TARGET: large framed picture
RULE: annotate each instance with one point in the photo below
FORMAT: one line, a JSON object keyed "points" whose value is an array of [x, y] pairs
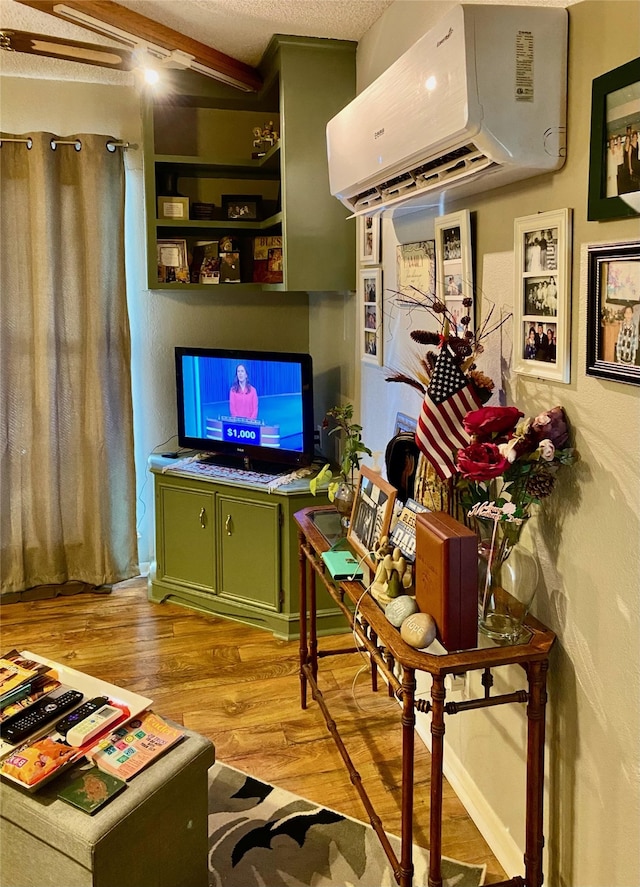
{"points": [[369, 240], [614, 167], [542, 315], [613, 311], [416, 271], [454, 271], [370, 319], [371, 514]]}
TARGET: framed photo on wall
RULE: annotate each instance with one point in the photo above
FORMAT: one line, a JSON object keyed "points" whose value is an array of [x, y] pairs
{"points": [[614, 167], [416, 270], [370, 315], [454, 270], [371, 514], [369, 240], [613, 312], [542, 315]]}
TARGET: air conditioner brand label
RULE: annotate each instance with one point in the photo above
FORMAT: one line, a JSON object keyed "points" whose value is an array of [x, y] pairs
{"points": [[524, 67], [446, 37], [378, 133]]}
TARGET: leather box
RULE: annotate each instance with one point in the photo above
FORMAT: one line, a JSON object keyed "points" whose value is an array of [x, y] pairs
{"points": [[446, 578]]}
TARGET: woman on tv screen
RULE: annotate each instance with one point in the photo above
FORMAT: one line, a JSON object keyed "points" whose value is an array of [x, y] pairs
{"points": [[243, 397]]}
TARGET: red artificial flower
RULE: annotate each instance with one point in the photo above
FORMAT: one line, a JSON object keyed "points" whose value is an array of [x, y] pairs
{"points": [[487, 421], [481, 461]]}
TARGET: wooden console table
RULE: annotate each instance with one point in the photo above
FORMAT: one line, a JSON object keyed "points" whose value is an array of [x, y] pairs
{"points": [[386, 650]]}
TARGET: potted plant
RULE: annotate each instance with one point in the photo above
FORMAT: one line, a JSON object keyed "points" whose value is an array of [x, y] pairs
{"points": [[341, 489]]}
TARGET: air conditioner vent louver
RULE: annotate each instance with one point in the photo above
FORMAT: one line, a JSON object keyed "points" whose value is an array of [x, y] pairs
{"points": [[445, 122], [460, 163], [444, 160], [398, 183]]}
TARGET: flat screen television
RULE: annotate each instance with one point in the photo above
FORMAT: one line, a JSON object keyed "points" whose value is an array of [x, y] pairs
{"points": [[247, 409]]}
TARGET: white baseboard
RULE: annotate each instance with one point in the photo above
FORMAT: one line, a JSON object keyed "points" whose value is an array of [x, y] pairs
{"points": [[492, 829]]}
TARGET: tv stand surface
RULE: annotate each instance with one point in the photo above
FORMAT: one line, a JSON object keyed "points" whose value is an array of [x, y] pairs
{"points": [[275, 469]]}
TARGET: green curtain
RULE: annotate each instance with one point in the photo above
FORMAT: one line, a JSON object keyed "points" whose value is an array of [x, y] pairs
{"points": [[67, 478]]}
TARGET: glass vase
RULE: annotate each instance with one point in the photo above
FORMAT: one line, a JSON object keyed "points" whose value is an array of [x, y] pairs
{"points": [[507, 579], [343, 501]]}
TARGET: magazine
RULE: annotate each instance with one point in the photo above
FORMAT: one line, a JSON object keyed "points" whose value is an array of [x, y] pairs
{"points": [[129, 749], [16, 673]]}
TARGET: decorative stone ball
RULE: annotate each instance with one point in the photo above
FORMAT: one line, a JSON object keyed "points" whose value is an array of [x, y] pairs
{"points": [[418, 630], [398, 610]]}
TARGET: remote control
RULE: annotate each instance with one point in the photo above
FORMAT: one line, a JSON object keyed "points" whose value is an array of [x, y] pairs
{"points": [[40, 713], [87, 708], [92, 725]]}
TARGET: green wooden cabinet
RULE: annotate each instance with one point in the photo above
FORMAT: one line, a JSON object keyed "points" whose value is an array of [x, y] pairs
{"points": [[232, 551], [199, 144]]}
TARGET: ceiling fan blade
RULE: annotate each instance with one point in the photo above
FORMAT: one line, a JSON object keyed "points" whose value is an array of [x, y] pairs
{"points": [[108, 18], [67, 50]]}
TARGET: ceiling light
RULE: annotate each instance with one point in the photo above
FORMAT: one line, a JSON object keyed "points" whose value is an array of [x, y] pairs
{"points": [[151, 76]]}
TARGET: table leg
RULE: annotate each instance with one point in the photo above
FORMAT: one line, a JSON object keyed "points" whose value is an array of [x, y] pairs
{"points": [[408, 743], [313, 626], [437, 757], [537, 674], [374, 667], [302, 574]]}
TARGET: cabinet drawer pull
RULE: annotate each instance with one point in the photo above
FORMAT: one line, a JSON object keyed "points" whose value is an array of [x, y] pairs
{"points": [[203, 515], [228, 525]]}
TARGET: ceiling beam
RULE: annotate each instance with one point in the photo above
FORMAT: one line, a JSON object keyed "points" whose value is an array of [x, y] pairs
{"points": [[208, 60]]}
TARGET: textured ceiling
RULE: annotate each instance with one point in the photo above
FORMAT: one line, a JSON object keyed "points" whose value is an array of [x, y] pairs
{"points": [[239, 28], [243, 28]]}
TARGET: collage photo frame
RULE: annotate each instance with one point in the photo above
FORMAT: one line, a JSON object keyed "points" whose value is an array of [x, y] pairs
{"points": [[370, 315], [369, 240], [541, 316], [454, 278]]}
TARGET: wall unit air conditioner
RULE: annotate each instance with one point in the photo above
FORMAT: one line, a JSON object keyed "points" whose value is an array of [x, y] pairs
{"points": [[478, 102]]}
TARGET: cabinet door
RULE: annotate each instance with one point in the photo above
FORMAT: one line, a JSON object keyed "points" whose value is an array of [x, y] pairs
{"points": [[185, 531], [249, 551]]}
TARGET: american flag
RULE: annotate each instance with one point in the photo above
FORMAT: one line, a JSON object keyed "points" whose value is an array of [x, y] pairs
{"points": [[449, 398]]}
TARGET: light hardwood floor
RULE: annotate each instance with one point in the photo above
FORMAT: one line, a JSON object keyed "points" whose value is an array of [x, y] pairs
{"points": [[239, 686]]}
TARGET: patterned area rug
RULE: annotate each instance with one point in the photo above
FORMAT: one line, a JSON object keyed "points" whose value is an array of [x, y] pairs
{"points": [[263, 836]]}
